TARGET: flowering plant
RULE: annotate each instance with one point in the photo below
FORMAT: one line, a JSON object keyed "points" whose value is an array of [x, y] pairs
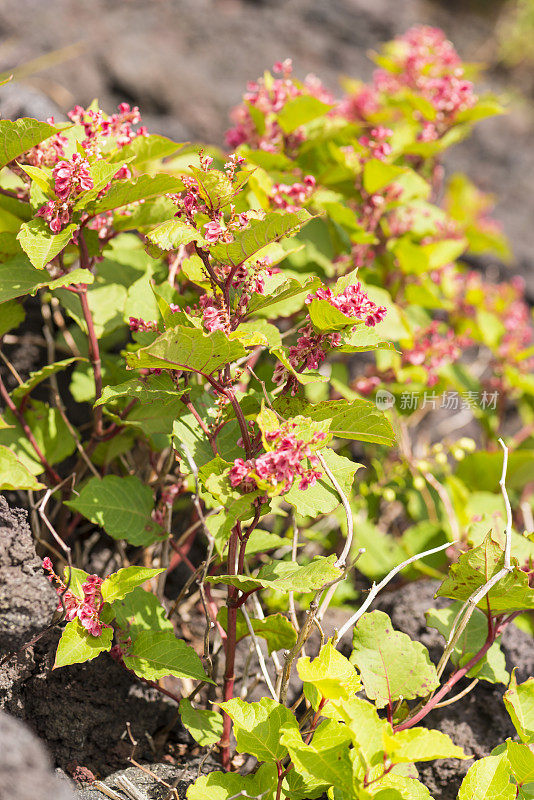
{"points": [[227, 318]]}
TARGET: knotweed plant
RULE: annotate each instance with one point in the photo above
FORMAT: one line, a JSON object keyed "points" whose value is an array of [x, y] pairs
{"points": [[244, 331]]}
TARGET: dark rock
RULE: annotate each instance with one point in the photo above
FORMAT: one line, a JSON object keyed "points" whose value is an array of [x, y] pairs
{"points": [[25, 769]]}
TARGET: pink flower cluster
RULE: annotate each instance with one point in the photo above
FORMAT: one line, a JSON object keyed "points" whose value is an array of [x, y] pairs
{"points": [[47, 153], [269, 99], [291, 198], [434, 349], [86, 610], [97, 125], [427, 63], [138, 324], [353, 302], [377, 142], [70, 179], [279, 467]]}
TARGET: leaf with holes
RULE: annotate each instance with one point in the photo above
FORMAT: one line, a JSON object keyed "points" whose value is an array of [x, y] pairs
{"points": [[257, 235], [188, 349], [121, 506], [391, 664]]}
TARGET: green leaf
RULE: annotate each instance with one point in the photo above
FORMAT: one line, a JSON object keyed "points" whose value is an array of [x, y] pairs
{"points": [[257, 727], [488, 777], [474, 568], [140, 611], [14, 475], [398, 787], [328, 763], [519, 702], [284, 290], [216, 189], [21, 135], [300, 110], [355, 419], [326, 317], [492, 667], [173, 233], [285, 576], [18, 277], [377, 175], [304, 378], [50, 431], [40, 177], [366, 730], [390, 663], [331, 673], [11, 316], [205, 727], [257, 235], [155, 387], [224, 785], [40, 244], [121, 583], [75, 578], [77, 645], [521, 760], [420, 744], [142, 188], [146, 148], [188, 349], [235, 509], [322, 498], [35, 378], [276, 629], [155, 654], [121, 506]]}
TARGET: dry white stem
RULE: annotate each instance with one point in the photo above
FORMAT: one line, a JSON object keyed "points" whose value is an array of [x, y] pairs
{"points": [[291, 596], [502, 484], [342, 560], [261, 659], [260, 615], [377, 588], [458, 696], [131, 791]]}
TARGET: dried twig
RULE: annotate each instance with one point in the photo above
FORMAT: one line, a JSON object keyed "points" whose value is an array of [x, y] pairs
{"points": [[261, 659]]}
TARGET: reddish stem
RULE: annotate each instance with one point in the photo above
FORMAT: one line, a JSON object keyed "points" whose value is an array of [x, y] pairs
{"points": [[50, 471], [188, 404], [94, 355], [231, 636]]}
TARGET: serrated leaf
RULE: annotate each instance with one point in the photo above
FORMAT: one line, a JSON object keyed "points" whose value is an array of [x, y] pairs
{"points": [[276, 629], [35, 378], [205, 727], [331, 673], [327, 318], [21, 135], [78, 645], [155, 654], [488, 777], [40, 244], [121, 583], [519, 702], [354, 419], [14, 475], [285, 576], [420, 744], [300, 110], [282, 290], [224, 785], [257, 235], [492, 667], [322, 497], [474, 568], [142, 188], [391, 664], [188, 349], [121, 506], [521, 760], [140, 611], [157, 387], [18, 277], [257, 727], [172, 233]]}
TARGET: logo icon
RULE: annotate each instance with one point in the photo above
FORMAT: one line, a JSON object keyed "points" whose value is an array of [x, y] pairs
{"points": [[384, 400]]}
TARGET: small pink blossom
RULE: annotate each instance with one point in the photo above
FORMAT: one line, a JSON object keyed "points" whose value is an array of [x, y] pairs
{"points": [[213, 232], [72, 177]]}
